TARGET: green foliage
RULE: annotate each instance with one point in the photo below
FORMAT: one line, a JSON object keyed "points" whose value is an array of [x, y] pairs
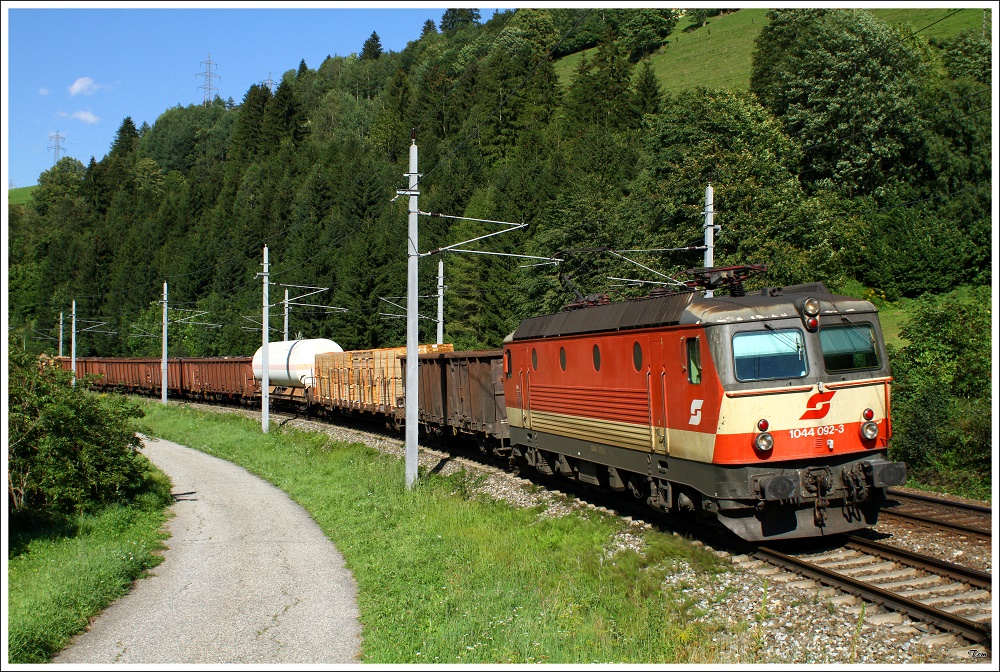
{"points": [[372, 48], [845, 87], [455, 19], [68, 451], [968, 54], [60, 189], [647, 97], [942, 420]]}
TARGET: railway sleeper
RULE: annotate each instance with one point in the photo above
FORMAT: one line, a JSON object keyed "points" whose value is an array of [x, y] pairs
{"points": [[857, 571], [975, 595], [932, 590]]}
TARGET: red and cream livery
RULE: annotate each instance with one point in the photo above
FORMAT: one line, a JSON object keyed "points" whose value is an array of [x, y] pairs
{"points": [[768, 412]]}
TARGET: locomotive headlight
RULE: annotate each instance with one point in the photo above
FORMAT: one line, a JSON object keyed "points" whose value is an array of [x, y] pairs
{"points": [[869, 430], [812, 323], [868, 414], [764, 442], [762, 425], [811, 307]]}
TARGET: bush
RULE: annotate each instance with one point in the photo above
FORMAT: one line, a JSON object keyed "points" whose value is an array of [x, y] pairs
{"points": [[942, 422], [68, 451]]}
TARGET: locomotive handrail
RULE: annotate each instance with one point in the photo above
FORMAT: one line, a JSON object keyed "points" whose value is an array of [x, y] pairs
{"points": [[858, 383], [769, 390]]}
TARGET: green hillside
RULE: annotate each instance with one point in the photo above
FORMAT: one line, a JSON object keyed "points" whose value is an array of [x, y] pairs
{"points": [[718, 54], [20, 196]]}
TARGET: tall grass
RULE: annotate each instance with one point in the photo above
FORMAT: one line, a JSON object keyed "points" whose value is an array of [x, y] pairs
{"points": [[446, 575], [63, 572]]}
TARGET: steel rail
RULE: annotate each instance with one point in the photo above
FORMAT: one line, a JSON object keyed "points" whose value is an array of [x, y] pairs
{"points": [[958, 508], [973, 577], [974, 632], [940, 502], [958, 527]]}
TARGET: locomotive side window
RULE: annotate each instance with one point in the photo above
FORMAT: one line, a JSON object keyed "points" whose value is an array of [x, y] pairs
{"points": [[534, 360], [597, 358], [637, 356], [507, 364], [767, 355], [694, 360], [849, 348], [562, 358]]}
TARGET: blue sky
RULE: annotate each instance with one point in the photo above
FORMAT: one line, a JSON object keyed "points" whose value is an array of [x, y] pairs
{"points": [[80, 72]]}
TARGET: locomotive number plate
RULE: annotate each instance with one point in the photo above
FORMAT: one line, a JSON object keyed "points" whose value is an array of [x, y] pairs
{"points": [[826, 430]]}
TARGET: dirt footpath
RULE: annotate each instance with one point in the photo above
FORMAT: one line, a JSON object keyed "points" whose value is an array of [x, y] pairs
{"points": [[248, 577]]}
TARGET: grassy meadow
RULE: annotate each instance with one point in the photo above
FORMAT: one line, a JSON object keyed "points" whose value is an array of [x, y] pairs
{"points": [[61, 573], [449, 576], [718, 54], [19, 196]]}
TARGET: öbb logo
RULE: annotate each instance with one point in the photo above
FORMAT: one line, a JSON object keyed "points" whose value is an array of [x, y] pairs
{"points": [[817, 406]]}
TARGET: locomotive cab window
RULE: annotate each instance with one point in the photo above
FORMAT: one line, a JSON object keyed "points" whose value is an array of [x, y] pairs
{"points": [[769, 355], [597, 358], [534, 359], [694, 360], [849, 348], [562, 358], [507, 365], [637, 356]]}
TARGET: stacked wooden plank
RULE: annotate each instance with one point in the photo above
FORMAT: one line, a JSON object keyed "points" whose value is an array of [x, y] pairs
{"points": [[364, 380]]}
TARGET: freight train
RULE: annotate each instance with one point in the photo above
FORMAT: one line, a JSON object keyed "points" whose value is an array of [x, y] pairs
{"points": [[767, 413]]}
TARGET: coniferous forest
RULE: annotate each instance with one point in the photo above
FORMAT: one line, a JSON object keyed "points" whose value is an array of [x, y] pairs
{"points": [[860, 156]]}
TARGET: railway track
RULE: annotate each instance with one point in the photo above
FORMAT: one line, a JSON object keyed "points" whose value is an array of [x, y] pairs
{"points": [[950, 597], [953, 517]]}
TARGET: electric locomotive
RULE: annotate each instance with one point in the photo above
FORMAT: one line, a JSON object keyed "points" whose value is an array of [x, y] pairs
{"points": [[768, 412]]}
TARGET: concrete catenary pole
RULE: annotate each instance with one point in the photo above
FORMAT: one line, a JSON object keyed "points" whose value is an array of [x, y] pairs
{"points": [[265, 382], [60, 333], [286, 314], [72, 347], [412, 336], [163, 362], [440, 338], [709, 231]]}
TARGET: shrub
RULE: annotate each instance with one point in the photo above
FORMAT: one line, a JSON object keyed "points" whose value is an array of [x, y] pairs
{"points": [[68, 451], [941, 400]]}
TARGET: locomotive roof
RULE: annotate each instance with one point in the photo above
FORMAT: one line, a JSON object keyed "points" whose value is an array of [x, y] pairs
{"points": [[687, 308]]}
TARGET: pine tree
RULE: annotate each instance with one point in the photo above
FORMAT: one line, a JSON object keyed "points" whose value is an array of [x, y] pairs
{"points": [[454, 19], [647, 96], [372, 49], [429, 29], [303, 68], [126, 139], [283, 119]]}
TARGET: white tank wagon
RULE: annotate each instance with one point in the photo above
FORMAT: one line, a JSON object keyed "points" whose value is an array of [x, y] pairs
{"points": [[291, 363]]}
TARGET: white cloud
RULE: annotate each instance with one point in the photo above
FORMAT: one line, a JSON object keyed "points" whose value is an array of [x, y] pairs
{"points": [[86, 86], [86, 117], [43, 92], [82, 115]]}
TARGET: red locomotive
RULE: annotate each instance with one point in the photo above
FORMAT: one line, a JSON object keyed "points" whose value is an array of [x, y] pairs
{"points": [[768, 412]]}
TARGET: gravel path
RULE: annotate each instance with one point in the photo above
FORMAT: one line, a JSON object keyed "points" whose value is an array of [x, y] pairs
{"points": [[248, 577]]}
